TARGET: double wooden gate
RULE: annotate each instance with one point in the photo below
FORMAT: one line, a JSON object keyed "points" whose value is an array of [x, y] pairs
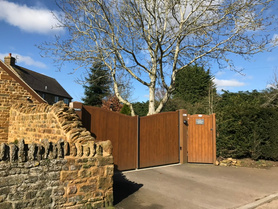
{"points": [[160, 139]]}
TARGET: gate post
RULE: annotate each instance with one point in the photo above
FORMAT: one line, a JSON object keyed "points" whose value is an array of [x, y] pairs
{"points": [[77, 106], [214, 137], [183, 123]]}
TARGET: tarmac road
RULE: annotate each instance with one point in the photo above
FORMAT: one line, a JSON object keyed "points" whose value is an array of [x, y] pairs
{"points": [[195, 186]]}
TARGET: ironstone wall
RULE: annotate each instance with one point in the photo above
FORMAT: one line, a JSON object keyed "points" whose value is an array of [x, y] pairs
{"points": [[56, 175], [11, 92], [53, 122], [47, 158], [52, 161]]}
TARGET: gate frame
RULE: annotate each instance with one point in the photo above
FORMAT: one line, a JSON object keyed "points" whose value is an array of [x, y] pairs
{"points": [[183, 133]]}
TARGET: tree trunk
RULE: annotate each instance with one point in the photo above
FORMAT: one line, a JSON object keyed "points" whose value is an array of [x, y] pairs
{"points": [[151, 99]]}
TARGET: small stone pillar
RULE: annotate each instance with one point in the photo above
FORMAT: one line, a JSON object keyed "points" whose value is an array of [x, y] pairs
{"points": [[77, 106]]}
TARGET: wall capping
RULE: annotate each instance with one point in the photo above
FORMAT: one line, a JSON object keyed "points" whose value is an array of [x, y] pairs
{"points": [[70, 123]]}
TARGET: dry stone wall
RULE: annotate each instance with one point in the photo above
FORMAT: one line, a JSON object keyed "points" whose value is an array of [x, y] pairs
{"points": [[43, 121], [11, 92], [60, 166], [56, 175], [47, 158]]}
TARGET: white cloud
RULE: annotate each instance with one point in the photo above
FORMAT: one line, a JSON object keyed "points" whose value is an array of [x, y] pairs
{"points": [[29, 61], [29, 19], [228, 83], [220, 73], [271, 86], [25, 60]]}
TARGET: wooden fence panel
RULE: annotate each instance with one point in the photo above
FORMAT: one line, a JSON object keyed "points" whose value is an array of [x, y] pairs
{"points": [[120, 129], [159, 139]]}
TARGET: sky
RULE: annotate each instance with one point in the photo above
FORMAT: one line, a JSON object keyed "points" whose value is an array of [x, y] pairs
{"points": [[25, 24]]}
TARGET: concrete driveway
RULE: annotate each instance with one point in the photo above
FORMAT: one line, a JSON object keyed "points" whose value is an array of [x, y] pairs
{"points": [[195, 186]]}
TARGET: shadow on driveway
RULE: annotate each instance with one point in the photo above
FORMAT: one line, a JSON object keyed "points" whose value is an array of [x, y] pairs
{"points": [[123, 187], [191, 186], [125, 194]]}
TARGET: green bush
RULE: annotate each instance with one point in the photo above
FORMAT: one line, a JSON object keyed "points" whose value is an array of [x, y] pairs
{"points": [[245, 128], [269, 147], [125, 110]]}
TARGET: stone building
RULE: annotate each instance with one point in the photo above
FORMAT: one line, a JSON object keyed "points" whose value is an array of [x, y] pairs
{"points": [[48, 88], [19, 85]]}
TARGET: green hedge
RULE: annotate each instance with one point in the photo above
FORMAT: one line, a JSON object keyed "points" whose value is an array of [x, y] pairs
{"points": [[244, 128]]}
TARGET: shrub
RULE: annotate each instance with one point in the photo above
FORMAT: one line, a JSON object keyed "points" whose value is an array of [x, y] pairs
{"points": [[245, 128]]}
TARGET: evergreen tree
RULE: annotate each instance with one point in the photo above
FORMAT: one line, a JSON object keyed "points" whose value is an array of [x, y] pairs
{"points": [[125, 110], [141, 108], [98, 85], [194, 86]]}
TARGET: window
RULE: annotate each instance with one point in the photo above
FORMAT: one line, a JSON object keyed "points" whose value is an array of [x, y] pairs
{"points": [[56, 99], [66, 101]]}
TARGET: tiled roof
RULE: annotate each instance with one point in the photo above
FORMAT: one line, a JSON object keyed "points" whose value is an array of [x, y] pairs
{"points": [[40, 82]]}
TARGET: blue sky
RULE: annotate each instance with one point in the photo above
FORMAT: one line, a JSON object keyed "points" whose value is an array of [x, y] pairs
{"points": [[25, 24]]}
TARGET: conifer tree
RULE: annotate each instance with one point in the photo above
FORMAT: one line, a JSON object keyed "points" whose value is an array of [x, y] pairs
{"points": [[194, 91], [98, 85], [193, 84]]}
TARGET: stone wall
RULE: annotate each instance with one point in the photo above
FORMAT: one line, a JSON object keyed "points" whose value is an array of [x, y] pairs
{"points": [[60, 166], [11, 92], [56, 175], [43, 121]]}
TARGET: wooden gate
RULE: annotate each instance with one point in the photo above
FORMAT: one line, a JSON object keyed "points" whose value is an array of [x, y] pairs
{"points": [[201, 142], [159, 139], [120, 129]]}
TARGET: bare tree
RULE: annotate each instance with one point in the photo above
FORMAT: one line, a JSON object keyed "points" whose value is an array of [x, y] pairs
{"points": [[271, 93], [151, 40]]}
